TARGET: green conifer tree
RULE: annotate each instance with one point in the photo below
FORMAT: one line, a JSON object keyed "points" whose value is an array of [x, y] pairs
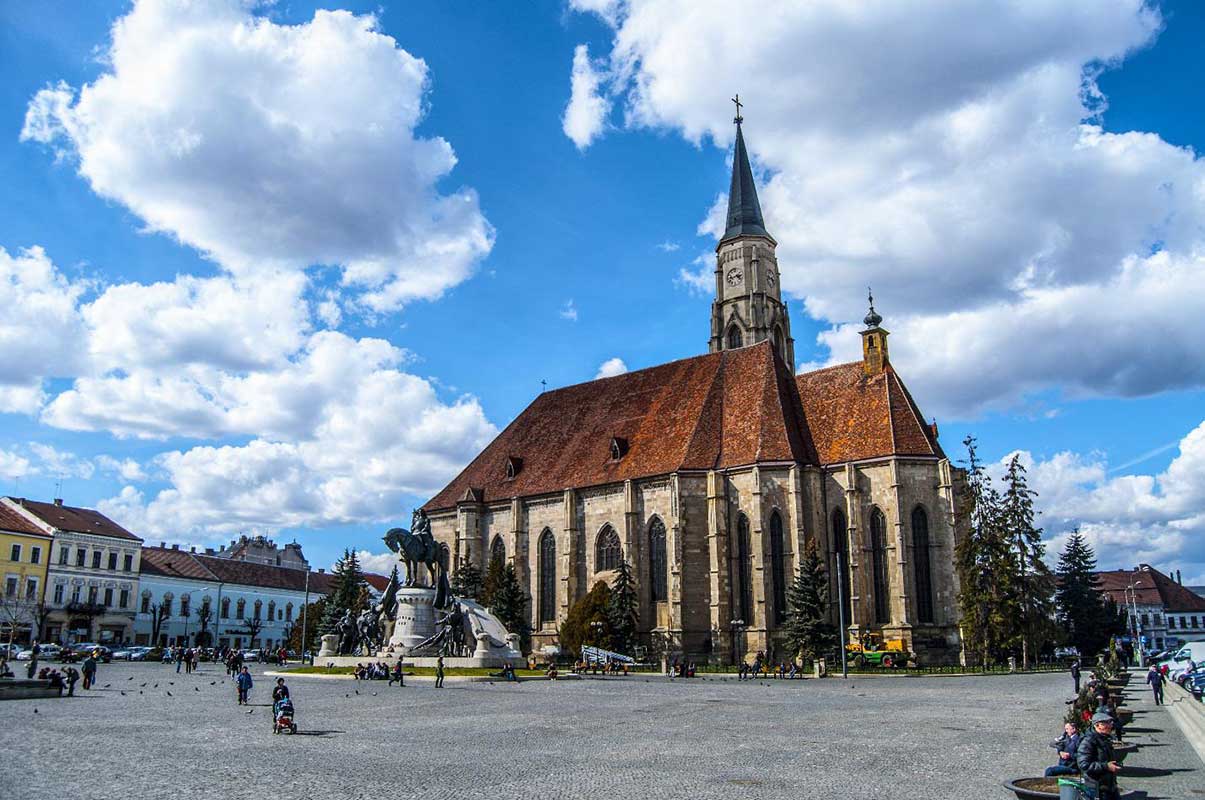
{"points": [[467, 581], [510, 606], [624, 609], [809, 634], [348, 592], [1081, 608], [588, 621], [1031, 579], [493, 577]]}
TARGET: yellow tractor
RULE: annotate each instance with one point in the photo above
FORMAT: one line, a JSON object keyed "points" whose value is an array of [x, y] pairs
{"points": [[873, 651]]}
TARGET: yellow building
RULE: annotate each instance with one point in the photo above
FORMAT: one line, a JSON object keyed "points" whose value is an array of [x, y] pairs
{"points": [[24, 554]]}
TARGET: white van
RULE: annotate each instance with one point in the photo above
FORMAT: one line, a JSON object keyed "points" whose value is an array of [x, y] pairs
{"points": [[1177, 662]]}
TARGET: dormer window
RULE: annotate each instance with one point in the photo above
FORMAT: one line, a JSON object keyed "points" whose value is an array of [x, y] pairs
{"points": [[619, 448], [513, 467]]}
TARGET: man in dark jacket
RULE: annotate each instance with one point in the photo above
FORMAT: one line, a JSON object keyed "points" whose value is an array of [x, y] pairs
{"points": [[1155, 678], [1066, 745], [1075, 675], [1095, 759]]}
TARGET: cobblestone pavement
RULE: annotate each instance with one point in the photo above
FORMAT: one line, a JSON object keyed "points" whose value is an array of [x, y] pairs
{"points": [[868, 737]]}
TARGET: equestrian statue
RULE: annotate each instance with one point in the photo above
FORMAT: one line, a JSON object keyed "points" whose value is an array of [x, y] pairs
{"points": [[416, 547]]}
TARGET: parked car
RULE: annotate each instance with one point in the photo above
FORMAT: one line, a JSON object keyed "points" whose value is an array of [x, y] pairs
{"points": [[46, 652], [138, 653], [80, 651], [1179, 661], [10, 651]]}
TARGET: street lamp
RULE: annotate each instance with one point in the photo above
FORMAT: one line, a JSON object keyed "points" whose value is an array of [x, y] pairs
{"points": [[737, 648], [1135, 625]]}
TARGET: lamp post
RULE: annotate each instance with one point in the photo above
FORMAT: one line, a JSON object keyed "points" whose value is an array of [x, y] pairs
{"points": [[737, 649], [841, 618], [305, 607], [1135, 625]]}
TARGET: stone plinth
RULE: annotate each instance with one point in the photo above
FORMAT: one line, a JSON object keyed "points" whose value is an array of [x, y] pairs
{"points": [[415, 618]]}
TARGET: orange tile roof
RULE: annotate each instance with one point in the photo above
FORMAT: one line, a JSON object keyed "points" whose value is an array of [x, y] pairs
{"points": [[712, 411], [16, 522], [1154, 588], [77, 520]]}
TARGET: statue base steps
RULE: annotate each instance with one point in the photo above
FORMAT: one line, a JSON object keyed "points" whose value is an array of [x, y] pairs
{"points": [[450, 662]]}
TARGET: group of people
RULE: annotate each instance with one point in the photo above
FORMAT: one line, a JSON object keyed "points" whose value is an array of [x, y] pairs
{"points": [[68, 677], [608, 667], [187, 657], [679, 669], [761, 668], [380, 671]]}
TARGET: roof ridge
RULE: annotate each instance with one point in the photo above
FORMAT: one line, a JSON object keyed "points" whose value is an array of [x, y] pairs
{"points": [[829, 368]]}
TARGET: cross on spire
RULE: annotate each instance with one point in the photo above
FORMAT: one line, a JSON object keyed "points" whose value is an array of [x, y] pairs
{"points": [[739, 119]]}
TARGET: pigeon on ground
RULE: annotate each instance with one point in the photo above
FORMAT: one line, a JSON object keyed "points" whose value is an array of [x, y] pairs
{"points": [[156, 686], [195, 689], [139, 691], [347, 695], [374, 694], [130, 678], [171, 683], [251, 711], [106, 686], [213, 683], [141, 685], [357, 691], [123, 694], [169, 694], [35, 711]]}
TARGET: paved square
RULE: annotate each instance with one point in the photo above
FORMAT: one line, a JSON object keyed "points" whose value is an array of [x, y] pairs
{"points": [[633, 737]]}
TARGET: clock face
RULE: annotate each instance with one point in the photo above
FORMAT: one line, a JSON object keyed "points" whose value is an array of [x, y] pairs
{"points": [[770, 277], [734, 277]]}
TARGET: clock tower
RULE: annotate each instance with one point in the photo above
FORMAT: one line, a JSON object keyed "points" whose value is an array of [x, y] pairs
{"points": [[748, 305]]}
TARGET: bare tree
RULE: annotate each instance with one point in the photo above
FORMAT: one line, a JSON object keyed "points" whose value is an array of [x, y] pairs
{"points": [[15, 613], [204, 614], [251, 627], [159, 613]]}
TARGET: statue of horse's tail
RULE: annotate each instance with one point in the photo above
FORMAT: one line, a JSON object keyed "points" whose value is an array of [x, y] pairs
{"points": [[443, 591]]}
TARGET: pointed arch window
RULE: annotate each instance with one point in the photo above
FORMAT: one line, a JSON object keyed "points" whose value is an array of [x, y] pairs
{"points": [[924, 579], [658, 567], [778, 567], [288, 612], [259, 607], [271, 609], [735, 339], [744, 570], [841, 557], [878, 564], [607, 551], [224, 612], [240, 610], [547, 567], [498, 551]]}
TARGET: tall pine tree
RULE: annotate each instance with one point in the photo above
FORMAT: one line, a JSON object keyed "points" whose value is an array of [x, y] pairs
{"points": [[588, 621], [509, 605], [467, 581], [809, 635], [624, 610], [493, 578], [348, 592], [1031, 579], [1080, 606], [986, 568]]}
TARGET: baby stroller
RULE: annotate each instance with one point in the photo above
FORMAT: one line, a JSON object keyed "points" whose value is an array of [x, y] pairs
{"points": [[282, 716]]}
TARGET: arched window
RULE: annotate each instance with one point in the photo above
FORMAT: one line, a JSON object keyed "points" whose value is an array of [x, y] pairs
{"points": [[607, 551], [841, 561], [498, 551], [547, 568], [658, 568], [240, 609], [167, 603], [924, 580], [288, 612], [778, 567], [258, 609], [225, 611], [735, 339], [271, 609], [878, 564], [744, 570]]}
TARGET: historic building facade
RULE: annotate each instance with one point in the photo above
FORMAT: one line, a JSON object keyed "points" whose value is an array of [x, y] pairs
{"points": [[92, 576], [709, 475], [24, 551]]}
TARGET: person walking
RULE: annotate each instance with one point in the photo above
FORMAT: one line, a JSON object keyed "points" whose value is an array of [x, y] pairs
{"points": [[179, 659], [89, 668], [1075, 675], [1155, 678], [398, 674], [72, 677], [439, 672], [33, 660], [1095, 760], [244, 685]]}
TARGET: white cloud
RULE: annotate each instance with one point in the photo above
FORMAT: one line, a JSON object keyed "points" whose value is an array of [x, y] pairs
{"points": [[14, 465], [272, 146], [57, 463], [586, 114], [952, 158], [568, 311], [611, 367], [669, 247], [1129, 519], [125, 468], [699, 277], [380, 563], [40, 330]]}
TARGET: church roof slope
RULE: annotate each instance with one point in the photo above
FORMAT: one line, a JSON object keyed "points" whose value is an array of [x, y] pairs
{"points": [[852, 416], [744, 210], [716, 410]]}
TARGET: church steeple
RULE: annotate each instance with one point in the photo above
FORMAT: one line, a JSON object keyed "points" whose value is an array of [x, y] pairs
{"points": [[874, 340], [748, 305], [744, 212]]}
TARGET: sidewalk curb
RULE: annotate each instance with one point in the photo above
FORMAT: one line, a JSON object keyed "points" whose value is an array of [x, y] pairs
{"points": [[1189, 714]]}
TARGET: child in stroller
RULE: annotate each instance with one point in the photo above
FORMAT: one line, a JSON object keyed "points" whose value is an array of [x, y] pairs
{"points": [[282, 709]]}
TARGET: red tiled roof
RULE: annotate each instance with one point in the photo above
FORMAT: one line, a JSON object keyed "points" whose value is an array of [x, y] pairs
{"points": [[712, 411], [77, 520], [378, 582], [16, 522], [854, 417], [1154, 588], [185, 564]]}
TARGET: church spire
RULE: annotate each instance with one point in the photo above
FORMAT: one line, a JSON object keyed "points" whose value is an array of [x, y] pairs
{"points": [[744, 212]]}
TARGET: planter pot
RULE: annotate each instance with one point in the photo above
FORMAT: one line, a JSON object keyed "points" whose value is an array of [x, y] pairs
{"points": [[1120, 751], [1124, 715], [1034, 788]]}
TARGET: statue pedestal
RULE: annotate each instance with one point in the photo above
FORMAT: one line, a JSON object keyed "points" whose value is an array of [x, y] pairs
{"points": [[330, 645], [415, 618]]}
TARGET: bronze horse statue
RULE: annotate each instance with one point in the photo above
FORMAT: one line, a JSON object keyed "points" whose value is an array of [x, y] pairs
{"points": [[417, 546]]}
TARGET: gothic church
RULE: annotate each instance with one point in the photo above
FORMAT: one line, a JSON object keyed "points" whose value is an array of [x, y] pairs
{"points": [[710, 473]]}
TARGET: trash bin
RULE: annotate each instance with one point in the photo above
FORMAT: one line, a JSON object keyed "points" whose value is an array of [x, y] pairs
{"points": [[1070, 789]]}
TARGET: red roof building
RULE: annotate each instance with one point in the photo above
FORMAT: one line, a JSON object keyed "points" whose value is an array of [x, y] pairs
{"points": [[1157, 607], [709, 475]]}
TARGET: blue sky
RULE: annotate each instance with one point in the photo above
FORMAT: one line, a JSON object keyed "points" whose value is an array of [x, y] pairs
{"points": [[1022, 191]]}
